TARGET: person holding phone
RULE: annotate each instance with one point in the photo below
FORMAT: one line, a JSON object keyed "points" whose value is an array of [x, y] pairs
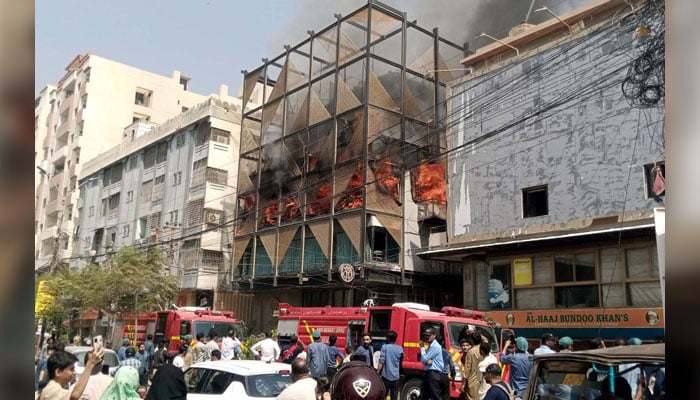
{"points": [[61, 368]]}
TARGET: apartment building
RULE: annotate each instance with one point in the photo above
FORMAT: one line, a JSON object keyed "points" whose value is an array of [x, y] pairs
{"points": [[170, 185], [85, 114], [555, 171], [340, 175]]}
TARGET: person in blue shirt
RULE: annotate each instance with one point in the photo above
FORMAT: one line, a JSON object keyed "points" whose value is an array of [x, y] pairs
{"points": [[365, 350], [431, 358], [389, 367], [520, 364], [317, 355], [121, 353], [336, 357]]}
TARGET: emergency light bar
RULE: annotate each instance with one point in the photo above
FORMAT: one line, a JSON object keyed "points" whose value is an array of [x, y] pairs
{"points": [[463, 312]]}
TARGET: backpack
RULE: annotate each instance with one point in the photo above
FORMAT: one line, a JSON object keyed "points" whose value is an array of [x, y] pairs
{"points": [[506, 389]]}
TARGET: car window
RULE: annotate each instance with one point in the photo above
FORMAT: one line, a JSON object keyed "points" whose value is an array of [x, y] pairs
{"points": [[267, 385], [217, 382], [193, 377]]}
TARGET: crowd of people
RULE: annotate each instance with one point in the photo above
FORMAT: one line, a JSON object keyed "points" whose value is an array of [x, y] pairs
{"points": [[153, 368]]}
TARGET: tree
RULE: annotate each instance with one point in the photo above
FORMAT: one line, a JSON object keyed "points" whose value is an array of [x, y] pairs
{"points": [[129, 278]]}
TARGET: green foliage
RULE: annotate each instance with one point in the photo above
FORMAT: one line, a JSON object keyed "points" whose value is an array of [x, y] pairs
{"points": [[246, 353], [131, 277]]}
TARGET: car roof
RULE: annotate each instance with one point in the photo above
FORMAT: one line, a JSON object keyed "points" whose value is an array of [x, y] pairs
{"points": [[650, 353], [245, 367], [80, 349]]}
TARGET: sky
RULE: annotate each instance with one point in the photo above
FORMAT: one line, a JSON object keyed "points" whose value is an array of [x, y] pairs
{"points": [[211, 41]]}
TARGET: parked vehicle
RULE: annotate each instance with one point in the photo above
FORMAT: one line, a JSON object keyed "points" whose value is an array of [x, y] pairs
{"points": [[236, 379], [110, 358], [408, 320], [172, 325], [571, 374]]}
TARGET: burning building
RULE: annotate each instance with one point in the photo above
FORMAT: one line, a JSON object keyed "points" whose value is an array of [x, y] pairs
{"points": [[343, 164]]}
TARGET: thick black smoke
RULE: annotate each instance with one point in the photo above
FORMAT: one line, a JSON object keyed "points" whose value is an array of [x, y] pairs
{"points": [[457, 20]]}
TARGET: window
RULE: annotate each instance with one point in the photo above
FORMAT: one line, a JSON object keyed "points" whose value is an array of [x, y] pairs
{"points": [[535, 201], [103, 211], [53, 193], [142, 97], [174, 217], [87, 74], [146, 191], [91, 211], [160, 179], [129, 196], [499, 284], [149, 157], [221, 136], [574, 268], [162, 154], [113, 203], [125, 231], [177, 178], [199, 164], [133, 162], [218, 176], [73, 180], [655, 180], [140, 118]]}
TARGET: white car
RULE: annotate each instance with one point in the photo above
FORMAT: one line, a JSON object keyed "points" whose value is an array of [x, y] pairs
{"points": [[110, 358], [236, 379]]}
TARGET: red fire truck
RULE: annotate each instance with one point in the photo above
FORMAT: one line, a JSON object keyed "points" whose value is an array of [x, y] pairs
{"points": [[408, 320], [172, 325]]}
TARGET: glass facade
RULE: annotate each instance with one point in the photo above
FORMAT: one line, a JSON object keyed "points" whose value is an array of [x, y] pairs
{"points": [[346, 114]]}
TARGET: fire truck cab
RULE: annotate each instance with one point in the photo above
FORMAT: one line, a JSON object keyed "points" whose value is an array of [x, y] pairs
{"points": [[173, 325], [408, 320]]}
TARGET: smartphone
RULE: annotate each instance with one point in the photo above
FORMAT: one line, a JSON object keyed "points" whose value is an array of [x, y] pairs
{"points": [[97, 342]]}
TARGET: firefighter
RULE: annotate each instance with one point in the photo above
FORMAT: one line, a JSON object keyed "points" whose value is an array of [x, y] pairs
{"points": [[357, 381]]}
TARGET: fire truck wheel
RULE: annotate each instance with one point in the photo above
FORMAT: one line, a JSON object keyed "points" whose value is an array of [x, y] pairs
{"points": [[411, 389]]}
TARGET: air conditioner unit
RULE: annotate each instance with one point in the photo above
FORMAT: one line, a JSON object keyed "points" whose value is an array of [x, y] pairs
{"points": [[213, 218]]}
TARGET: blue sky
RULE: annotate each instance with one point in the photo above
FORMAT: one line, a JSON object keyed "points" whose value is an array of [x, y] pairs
{"points": [[211, 41]]}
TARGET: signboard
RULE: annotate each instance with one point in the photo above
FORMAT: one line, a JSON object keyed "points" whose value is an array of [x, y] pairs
{"points": [[44, 300], [522, 267], [346, 272], [583, 318]]}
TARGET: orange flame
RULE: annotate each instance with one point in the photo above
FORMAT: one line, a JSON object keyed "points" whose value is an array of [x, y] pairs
{"points": [[390, 182], [290, 207], [353, 197], [429, 184], [323, 201]]}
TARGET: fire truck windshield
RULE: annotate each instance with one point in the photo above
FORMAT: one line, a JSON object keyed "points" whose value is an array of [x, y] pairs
{"points": [[458, 331], [221, 328]]}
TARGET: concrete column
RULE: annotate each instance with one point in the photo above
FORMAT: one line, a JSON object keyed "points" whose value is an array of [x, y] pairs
{"points": [[469, 264]]}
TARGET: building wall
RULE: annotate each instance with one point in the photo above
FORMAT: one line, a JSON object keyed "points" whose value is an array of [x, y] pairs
{"points": [[555, 118], [155, 204], [95, 101]]}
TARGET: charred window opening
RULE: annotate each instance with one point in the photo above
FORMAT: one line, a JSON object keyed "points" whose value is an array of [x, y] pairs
{"points": [[535, 201]]}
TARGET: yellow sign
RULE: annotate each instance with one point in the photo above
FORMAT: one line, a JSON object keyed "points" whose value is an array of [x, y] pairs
{"points": [[523, 271], [44, 300]]}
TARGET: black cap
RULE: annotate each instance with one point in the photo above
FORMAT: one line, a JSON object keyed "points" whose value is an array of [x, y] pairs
{"points": [[548, 336], [429, 331]]}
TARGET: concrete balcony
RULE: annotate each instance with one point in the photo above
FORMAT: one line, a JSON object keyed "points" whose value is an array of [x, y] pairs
{"points": [[59, 154], [49, 233], [52, 207]]}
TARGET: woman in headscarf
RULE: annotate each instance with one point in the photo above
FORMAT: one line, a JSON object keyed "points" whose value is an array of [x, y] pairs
{"points": [[168, 384], [124, 385]]}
